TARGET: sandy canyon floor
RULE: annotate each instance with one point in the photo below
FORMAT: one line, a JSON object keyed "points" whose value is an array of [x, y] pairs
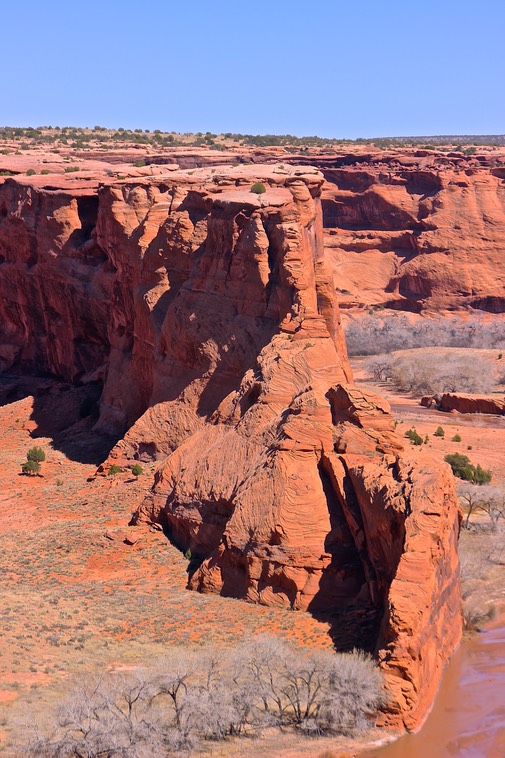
{"points": [[73, 600]]}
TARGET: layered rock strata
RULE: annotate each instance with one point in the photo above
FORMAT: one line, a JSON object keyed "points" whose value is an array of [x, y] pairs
{"points": [[465, 403], [416, 230], [209, 314], [424, 236]]}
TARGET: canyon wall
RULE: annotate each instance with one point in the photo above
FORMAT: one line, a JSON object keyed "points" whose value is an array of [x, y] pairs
{"points": [[209, 315], [415, 230], [424, 236], [404, 228]]}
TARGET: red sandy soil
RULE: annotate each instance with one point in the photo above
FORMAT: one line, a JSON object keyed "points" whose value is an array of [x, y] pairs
{"points": [[485, 434], [74, 601]]}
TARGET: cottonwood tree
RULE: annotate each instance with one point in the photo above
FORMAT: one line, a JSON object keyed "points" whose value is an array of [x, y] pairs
{"points": [[486, 500], [192, 697], [376, 333], [428, 372]]}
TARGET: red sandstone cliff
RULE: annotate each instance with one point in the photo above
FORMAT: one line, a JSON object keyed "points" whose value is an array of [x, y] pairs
{"points": [[210, 315], [409, 229], [466, 403], [429, 235], [417, 230]]}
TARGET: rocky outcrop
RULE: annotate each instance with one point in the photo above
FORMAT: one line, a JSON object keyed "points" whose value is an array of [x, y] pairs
{"points": [[414, 230], [55, 283], [222, 356], [415, 237], [466, 403], [409, 229]]}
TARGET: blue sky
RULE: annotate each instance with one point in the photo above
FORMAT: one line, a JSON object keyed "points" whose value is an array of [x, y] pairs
{"points": [[343, 69]]}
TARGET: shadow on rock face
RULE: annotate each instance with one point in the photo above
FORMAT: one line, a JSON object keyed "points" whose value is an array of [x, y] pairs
{"points": [[356, 626], [63, 413]]}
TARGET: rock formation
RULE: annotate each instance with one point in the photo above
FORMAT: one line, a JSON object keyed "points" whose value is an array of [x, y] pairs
{"points": [[209, 314], [413, 230], [410, 229], [423, 234], [465, 403]]}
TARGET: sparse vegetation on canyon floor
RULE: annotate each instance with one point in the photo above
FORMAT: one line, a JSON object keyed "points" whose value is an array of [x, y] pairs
{"points": [[76, 602], [91, 593], [482, 552]]}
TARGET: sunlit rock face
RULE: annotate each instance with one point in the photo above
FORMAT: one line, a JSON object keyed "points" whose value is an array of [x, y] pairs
{"points": [[208, 313]]}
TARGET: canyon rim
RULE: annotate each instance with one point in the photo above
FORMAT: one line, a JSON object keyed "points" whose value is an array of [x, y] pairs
{"points": [[204, 318]]}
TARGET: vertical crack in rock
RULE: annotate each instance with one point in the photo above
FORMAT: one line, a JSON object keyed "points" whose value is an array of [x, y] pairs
{"points": [[209, 316]]}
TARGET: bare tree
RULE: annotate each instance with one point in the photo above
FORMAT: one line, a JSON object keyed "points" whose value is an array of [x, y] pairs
{"points": [[429, 372], [380, 333], [486, 500], [193, 697]]}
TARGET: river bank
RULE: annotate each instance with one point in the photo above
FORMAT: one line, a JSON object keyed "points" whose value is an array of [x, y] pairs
{"points": [[468, 716]]}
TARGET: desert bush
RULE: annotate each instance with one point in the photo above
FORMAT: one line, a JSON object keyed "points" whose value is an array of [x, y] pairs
{"points": [[463, 469], [476, 614], [439, 432], [431, 373], [137, 470], [190, 698], [481, 475], [414, 437], [456, 438], [258, 188], [36, 454], [31, 468], [114, 469], [376, 334], [30, 172], [461, 466]]}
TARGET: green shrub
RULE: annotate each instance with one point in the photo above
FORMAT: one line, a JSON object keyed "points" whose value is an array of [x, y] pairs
{"points": [[139, 164], [482, 476], [463, 469], [71, 169], [258, 188], [414, 437], [137, 470], [59, 482], [30, 172], [114, 469], [439, 432], [30, 468], [187, 554], [36, 454], [461, 466], [45, 171], [456, 438]]}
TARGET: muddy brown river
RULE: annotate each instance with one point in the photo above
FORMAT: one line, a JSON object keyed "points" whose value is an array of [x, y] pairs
{"points": [[468, 717]]}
